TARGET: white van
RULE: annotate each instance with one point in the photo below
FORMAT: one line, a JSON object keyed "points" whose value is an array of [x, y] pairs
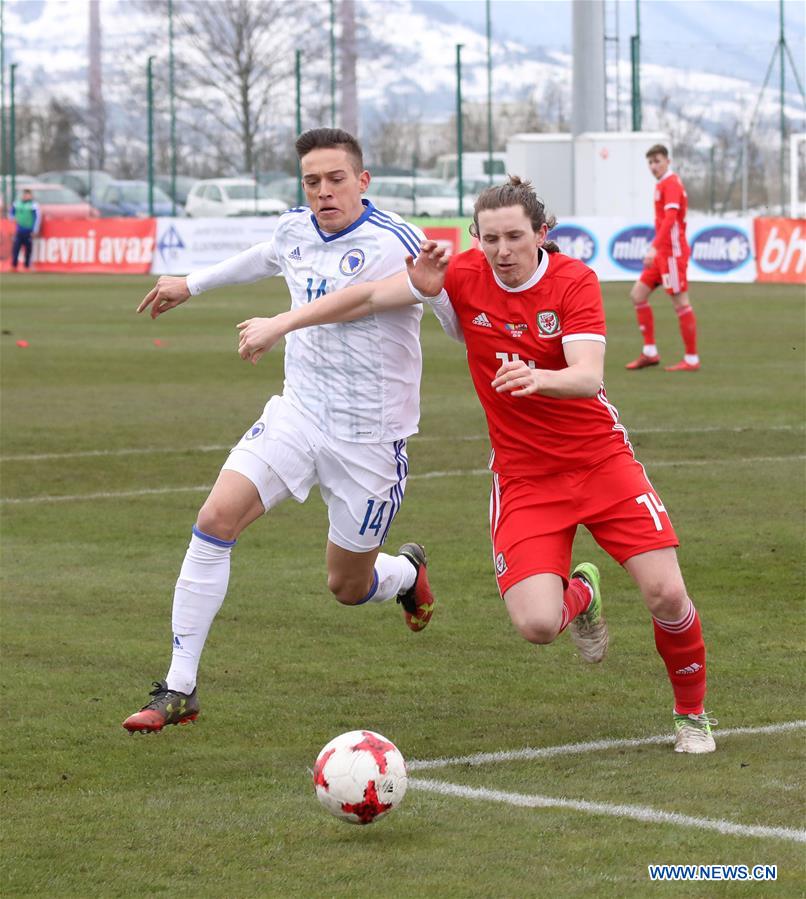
{"points": [[408, 196], [474, 165], [217, 197]]}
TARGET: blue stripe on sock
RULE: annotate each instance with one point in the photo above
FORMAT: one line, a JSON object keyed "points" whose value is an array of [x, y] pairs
{"points": [[210, 539], [372, 590]]}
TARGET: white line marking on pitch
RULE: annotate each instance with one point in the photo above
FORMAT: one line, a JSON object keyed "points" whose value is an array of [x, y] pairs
{"points": [[634, 812], [516, 755], [131, 451], [425, 476], [222, 447], [123, 494]]}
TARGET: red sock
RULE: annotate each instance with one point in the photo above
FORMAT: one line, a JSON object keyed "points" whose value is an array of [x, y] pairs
{"points": [[681, 646], [688, 329], [576, 599], [646, 322]]}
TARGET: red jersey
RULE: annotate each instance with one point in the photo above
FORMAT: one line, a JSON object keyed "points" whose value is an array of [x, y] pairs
{"points": [[562, 302], [671, 205]]}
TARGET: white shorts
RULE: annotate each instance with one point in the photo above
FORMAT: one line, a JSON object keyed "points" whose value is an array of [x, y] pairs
{"points": [[362, 484]]}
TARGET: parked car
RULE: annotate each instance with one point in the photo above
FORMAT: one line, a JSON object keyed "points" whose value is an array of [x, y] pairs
{"points": [[183, 185], [409, 196], [284, 188], [55, 201], [129, 199], [223, 197], [83, 181], [434, 197], [475, 186]]}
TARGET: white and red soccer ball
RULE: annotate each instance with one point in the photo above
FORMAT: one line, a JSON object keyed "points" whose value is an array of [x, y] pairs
{"points": [[360, 776]]}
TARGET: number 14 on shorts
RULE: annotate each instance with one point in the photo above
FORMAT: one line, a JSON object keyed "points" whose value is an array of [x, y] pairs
{"points": [[653, 505], [373, 520]]}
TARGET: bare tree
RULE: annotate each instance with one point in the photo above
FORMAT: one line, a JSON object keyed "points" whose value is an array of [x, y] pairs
{"points": [[58, 137], [96, 110], [234, 78], [349, 56], [237, 58]]}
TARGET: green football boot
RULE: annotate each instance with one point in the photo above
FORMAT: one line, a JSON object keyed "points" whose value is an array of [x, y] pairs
{"points": [[589, 628]]}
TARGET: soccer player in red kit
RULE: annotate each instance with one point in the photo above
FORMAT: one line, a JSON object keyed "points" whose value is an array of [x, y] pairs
{"points": [[533, 323], [665, 264]]}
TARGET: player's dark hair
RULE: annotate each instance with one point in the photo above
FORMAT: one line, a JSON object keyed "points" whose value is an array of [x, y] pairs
{"points": [[329, 138], [515, 192], [657, 150]]}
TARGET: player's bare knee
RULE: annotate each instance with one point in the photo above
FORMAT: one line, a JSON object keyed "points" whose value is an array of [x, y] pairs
{"points": [[538, 630], [637, 294], [214, 520], [666, 600], [348, 591]]}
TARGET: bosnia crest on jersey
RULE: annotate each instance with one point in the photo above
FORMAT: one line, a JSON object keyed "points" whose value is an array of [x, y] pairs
{"points": [[352, 262]]}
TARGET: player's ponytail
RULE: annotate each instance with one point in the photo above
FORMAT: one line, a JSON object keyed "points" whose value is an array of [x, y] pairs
{"points": [[515, 192]]}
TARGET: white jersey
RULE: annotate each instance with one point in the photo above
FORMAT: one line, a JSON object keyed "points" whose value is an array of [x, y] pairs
{"points": [[358, 381]]}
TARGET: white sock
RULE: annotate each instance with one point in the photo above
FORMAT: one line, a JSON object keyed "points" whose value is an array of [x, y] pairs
{"points": [[650, 349], [199, 593], [395, 575], [692, 358]]}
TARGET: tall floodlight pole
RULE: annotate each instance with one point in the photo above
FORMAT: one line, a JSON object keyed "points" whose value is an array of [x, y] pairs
{"points": [[298, 80], [489, 96], [459, 141], [782, 52], [12, 155], [3, 148], [172, 100], [635, 53], [150, 101], [332, 63]]}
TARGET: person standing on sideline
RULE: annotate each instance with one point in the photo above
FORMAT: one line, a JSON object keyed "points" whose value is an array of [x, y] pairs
{"points": [[534, 326], [27, 219], [665, 264], [350, 400]]}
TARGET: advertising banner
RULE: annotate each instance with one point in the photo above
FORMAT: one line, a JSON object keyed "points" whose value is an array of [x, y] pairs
{"points": [[6, 239], [187, 244], [120, 246], [781, 250], [450, 237], [721, 249]]}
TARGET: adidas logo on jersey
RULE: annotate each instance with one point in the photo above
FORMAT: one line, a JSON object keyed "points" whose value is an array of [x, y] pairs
{"points": [[295, 255], [482, 320], [693, 668]]}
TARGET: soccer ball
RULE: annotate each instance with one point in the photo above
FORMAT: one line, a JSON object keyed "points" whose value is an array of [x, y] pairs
{"points": [[360, 776]]}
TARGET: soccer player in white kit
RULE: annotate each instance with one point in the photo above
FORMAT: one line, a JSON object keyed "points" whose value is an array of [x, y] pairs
{"points": [[350, 400]]}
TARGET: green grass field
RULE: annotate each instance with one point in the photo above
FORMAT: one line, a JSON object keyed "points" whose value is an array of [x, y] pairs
{"points": [[108, 444]]}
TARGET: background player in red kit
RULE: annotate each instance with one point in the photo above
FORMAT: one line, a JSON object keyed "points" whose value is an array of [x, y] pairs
{"points": [[533, 323], [665, 264]]}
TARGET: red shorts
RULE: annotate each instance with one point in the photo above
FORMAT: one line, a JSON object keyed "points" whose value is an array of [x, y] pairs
{"points": [[669, 271], [533, 521]]}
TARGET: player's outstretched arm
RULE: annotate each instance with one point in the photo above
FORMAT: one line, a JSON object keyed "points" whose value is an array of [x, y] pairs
{"points": [[258, 335], [170, 291]]}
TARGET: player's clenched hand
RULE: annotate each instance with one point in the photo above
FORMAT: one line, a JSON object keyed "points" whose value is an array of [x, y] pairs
{"points": [[169, 291], [257, 336], [516, 378], [427, 272]]}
